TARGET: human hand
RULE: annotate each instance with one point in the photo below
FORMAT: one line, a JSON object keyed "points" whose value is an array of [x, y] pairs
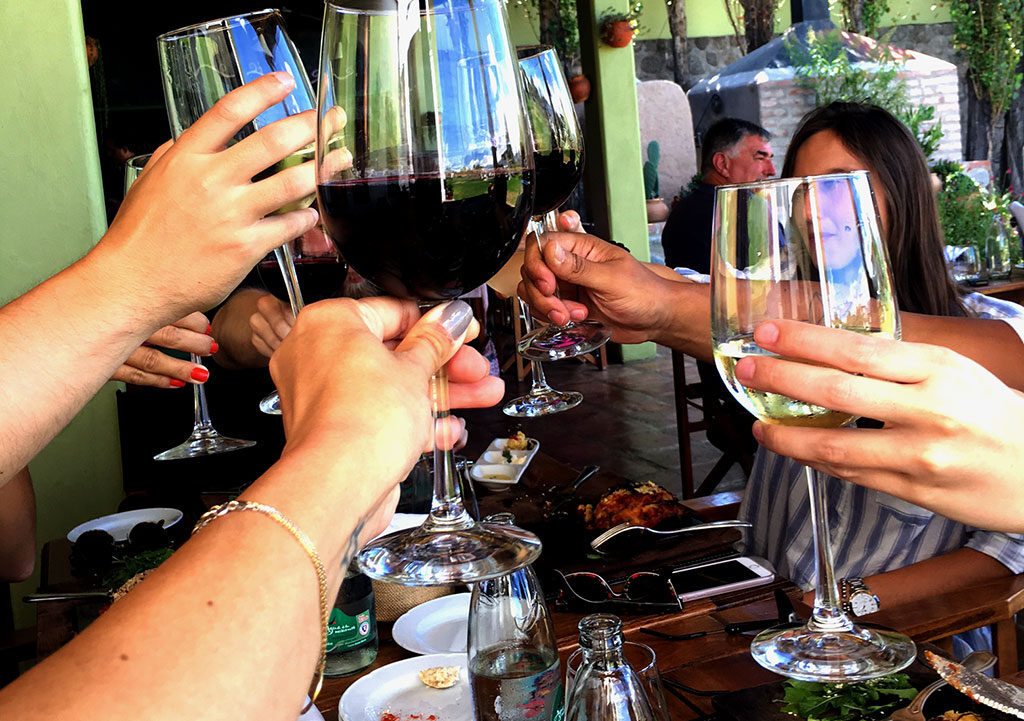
{"points": [[271, 322], [147, 366], [194, 222], [597, 280], [949, 443]]}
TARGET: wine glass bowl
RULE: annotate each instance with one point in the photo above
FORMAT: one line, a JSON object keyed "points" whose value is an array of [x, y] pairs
{"points": [[425, 182], [806, 249]]}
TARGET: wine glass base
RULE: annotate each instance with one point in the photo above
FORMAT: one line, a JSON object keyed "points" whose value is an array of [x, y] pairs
{"points": [[444, 558], [271, 405], [543, 403], [860, 654], [203, 443], [552, 343]]}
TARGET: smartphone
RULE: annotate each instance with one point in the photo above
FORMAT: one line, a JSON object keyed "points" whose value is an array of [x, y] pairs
{"points": [[711, 579]]}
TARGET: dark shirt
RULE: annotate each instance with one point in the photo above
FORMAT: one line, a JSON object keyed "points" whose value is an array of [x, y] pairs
{"points": [[687, 234]]}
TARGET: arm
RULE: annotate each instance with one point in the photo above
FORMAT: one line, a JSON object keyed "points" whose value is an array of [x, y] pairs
{"points": [[17, 528], [189, 230], [229, 626], [251, 325]]}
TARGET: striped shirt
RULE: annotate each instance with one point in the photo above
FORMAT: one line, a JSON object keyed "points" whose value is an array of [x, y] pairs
{"points": [[871, 532]]}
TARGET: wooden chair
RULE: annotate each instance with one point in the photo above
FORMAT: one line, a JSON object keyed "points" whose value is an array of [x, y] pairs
{"points": [[694, 395]]}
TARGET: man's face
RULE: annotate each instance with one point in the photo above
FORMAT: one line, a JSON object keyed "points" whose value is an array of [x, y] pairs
{"points": [[749, 160]]}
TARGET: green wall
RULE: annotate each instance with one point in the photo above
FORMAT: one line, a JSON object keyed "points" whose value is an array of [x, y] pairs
{"points": [[51, 213]]}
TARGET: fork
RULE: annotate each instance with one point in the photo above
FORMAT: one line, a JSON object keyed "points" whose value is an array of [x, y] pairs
{"points": [[628, 528], [976, 661]]}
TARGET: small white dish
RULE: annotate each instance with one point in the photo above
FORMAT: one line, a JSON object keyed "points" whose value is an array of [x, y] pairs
{"points": [[397, 689], [515, 458], [498, 444], [439, 625], [492, 462], [496, 477], [119, 525]]}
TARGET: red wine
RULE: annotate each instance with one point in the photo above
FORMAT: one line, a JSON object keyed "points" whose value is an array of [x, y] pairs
{"points": [[416, 237], [319, 278], [558, 171]]}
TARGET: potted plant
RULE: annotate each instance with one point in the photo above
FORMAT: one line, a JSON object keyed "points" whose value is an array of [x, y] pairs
{"points": [[657, 211], [975, 217], [618, 28]]}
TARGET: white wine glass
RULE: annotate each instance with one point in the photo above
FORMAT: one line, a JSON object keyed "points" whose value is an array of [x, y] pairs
{"points": [[806, 249], [202, 63], [204, 439], [425, 182]]}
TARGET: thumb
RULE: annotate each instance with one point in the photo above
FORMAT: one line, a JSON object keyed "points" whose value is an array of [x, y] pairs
{"points": [[568, 255], [435, 337]]}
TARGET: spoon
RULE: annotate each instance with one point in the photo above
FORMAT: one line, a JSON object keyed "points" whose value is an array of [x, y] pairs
{"points": [[627, 531], [975, 661]]}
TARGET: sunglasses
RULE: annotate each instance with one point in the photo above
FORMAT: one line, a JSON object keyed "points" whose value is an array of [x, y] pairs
{"points": [[645, 588]]}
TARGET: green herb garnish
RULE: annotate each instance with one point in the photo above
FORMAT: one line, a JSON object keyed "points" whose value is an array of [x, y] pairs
{"points": [[507, 455], [860, 700], [135, 563]]}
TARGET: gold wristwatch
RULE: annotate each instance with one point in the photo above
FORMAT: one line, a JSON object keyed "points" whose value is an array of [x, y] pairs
{"points": [[856, 598]]}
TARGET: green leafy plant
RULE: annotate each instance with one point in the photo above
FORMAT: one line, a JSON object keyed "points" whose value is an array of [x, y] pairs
{"points": [[562, 26], [135, 563], [696, 180], [863, 16], [825, 68], [636, 10], [861, 700], [966, 211], [652, 187]]}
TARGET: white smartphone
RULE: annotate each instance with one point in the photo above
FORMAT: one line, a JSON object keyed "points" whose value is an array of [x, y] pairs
{"points": [[732, 574]]}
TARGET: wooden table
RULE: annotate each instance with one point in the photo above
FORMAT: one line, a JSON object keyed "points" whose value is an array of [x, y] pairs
{"points": [[1011, 289]]}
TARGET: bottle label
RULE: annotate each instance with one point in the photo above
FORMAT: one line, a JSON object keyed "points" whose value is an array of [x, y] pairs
{"points": [[345, 632]]}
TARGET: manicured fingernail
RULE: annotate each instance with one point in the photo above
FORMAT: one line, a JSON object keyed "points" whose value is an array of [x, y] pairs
{"points": [[285, 79], [175, 383], [744, 370], [758, 430], [766, 333], [456, 317], [559, 252], [199, 374], [214, 347], [209, 329]]}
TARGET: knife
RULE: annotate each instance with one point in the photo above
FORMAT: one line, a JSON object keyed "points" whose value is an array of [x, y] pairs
{"points": [[979, 687]]}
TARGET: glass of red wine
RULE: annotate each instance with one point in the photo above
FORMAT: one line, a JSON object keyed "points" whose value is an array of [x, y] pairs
{"points": [[425, 182], [204, 439], [202, 63], [558, 160]]}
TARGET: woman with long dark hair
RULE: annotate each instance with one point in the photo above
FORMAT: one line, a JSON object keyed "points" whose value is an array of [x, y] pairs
{"points": [[905, 551]]}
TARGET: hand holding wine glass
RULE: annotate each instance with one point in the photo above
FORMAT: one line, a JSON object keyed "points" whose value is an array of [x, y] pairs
{"points": [[149, 366]]}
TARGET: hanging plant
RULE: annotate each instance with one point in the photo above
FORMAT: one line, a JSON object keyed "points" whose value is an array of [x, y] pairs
{"points": [[618, 28]]}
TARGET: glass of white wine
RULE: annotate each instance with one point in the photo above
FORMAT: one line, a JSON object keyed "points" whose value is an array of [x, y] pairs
{"points": [[806, 249]]}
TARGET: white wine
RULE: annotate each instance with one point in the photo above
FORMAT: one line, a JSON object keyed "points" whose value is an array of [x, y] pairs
{"points": [[770, 407], [302, 155]]}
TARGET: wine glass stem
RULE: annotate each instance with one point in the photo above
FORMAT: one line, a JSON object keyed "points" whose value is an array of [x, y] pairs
{"points": [[538, 383], [291, 279], [541, 225], [447, 512], [202, 414], [828, 615]]}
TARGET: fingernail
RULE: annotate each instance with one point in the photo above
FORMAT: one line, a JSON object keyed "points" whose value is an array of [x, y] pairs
{"points": [[552, 317], [758, 430], [214, 347], [209, 329], [285, 79], [199, 374], [559, 252], [175, 383], [577, 314], [744, 370], [456, 317], [766, 333]]}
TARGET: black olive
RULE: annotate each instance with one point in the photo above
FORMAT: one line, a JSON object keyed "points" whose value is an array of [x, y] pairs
{"points": [[148, 536], [93, 551]]}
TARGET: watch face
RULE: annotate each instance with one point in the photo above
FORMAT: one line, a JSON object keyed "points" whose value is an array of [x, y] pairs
{"points": [[863, 603]]}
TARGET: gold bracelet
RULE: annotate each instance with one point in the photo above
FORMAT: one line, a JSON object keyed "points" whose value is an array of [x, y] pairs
{"points": [[310, 549]]}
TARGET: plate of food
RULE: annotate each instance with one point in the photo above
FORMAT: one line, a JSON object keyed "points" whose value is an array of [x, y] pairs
{"points": [[503, 463], [414, 688], [119, 525], [436, 626]]}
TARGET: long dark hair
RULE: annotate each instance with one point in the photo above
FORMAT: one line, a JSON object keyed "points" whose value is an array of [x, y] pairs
{"points": [[913, 238]]}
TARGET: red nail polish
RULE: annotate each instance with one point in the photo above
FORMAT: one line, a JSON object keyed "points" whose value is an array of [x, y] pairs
{"points": [[214, 347], [209, 329], [199, 374], [175, 383]]}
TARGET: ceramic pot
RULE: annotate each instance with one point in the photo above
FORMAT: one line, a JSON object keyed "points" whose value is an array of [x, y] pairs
{"points": [[579, 88], [617, 33], [657, 211]]}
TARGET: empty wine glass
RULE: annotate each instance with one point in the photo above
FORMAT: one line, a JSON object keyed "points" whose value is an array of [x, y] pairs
{"points": [[425, 180], [204, 440], [204, 62], [807, 249], [558, 159]]}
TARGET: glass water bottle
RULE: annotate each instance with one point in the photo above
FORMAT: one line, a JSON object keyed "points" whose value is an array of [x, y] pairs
{"points": [[513, 660], [606, 688]]}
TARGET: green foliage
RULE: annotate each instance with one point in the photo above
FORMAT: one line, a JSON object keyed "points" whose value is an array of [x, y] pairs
{"points": [[636, 11], [825, 68], [946, 168], [862, 700], [695, 182], [990, 34], [966, 211], [651, 185], [133, 564], [566, 34], [863, 16]]}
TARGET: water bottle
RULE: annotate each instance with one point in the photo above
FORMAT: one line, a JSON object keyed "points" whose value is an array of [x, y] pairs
{"points": [[606, 688], [352, 630], [513, 660]]}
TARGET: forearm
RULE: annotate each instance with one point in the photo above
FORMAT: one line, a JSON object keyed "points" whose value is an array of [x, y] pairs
{"points": [[62, 340], [233, 334], [687, 327], [990, 343], [230, 625], [962, 568]]}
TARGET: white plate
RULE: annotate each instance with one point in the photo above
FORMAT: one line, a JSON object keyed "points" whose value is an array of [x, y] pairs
{"points": [[435, 626], [396, 688], [118, 525]]}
